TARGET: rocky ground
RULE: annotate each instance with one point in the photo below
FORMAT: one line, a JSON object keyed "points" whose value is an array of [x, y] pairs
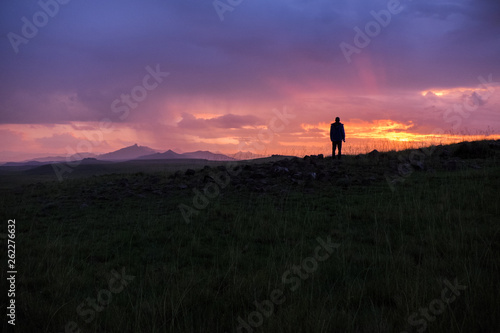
{"points": [[308, 174], [316, 170]]}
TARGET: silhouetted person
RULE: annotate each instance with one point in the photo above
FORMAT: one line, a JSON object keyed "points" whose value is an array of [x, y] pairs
{"points": [[337, 135]]}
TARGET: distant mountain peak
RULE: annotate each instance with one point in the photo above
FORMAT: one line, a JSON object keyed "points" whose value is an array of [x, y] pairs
{"points": [[168, 155], [127, 153]]}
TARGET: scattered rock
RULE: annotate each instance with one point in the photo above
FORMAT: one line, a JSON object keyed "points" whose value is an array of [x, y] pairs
{"points": [[297, 181], [477, 149], [419, 165], [123, 182], [208, 179], [278, 171], [452, 165], [495, 145], [258, 175], [438, 151]]}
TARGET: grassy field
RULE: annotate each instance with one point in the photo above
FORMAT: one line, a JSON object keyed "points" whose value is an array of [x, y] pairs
{"points": [[114, 252]]}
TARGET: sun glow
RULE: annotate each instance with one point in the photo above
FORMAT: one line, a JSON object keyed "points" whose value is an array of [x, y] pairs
{"points": [[377, 129], [205, 115], [381, 134], [454, 92], [214, 141]]}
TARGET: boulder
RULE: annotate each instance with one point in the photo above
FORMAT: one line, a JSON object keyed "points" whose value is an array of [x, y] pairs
{"points": [[279, 171]]}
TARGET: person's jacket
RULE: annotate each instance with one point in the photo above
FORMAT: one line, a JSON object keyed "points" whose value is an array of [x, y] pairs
{"points": [[337, 132]]}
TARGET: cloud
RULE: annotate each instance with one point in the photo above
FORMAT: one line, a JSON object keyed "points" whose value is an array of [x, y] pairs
{"points": [[14, 140], [474, 99], [92, 52], [228, 121], [58, 141]]}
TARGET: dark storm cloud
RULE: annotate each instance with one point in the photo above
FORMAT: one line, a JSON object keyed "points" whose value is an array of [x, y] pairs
{"points": [[91, 52], [226, 121]]}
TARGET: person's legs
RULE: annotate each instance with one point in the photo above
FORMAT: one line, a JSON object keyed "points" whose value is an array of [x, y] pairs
{"points": [[335, 145], [340, 148]]}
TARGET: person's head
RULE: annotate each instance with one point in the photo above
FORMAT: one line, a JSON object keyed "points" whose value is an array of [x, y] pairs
{"points": [[337, 119]]}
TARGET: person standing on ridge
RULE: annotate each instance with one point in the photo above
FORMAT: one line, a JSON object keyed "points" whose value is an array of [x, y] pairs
{"points": [[337, 135]]}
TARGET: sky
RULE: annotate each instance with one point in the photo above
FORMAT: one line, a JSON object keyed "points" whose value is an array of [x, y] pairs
{"points": [[239, 75]]}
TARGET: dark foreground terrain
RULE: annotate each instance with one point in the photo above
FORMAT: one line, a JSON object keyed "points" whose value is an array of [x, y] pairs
{"points": [[382, 242]]}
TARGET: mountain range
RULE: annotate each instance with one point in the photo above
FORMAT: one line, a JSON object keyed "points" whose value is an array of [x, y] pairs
{"points": [[136, 152]]}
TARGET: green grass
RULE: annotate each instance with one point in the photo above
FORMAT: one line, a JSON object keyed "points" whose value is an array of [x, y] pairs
{"points": [[396, 249]]}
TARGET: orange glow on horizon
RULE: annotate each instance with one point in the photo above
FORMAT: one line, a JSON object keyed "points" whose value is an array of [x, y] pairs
{"points": [[377, 129], [206, 115], [308, 139], [454, 91], [382, 134]]}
